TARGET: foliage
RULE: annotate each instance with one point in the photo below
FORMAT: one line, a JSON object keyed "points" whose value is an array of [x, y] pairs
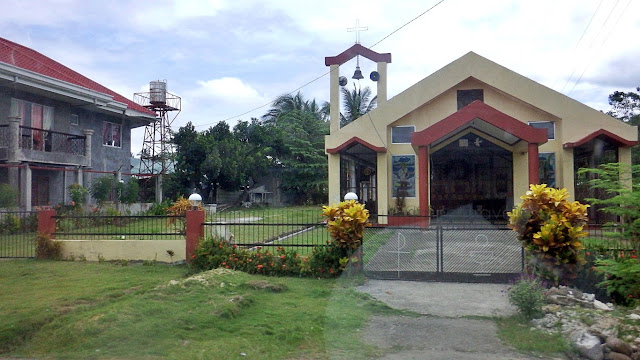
{"points": [[158, 209], [527, 294], [10, 224], [356, 103], [78, 195], [215, 253], [328, 261], [101, 189], [622, 278], [346, 223], [8, 196], [297, 128], [219, 158], [550, 228], [128, 192], [180, 208], [46, 248], [626, 107], [622, 183]]}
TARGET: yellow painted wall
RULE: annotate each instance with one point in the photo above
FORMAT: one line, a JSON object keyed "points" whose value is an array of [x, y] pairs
{"points": [[435, 97], [93, 250]]}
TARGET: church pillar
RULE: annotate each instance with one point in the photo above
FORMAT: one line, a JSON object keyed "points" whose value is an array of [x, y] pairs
{"points": [[534, 164], [624, 157], [382, 83], [423, 188], [334, 100], [382, 186], [334, 179]]}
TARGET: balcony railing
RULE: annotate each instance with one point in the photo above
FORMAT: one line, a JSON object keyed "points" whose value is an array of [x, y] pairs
{"points": [[50, 141]]}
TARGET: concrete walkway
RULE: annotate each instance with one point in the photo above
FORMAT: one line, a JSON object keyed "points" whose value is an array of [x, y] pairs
{"points": [[445, 332]]}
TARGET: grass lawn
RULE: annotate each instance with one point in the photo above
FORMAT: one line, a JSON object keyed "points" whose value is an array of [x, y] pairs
{"points": [[79, 310]]}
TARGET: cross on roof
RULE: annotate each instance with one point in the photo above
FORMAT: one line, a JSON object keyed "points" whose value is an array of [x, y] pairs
{"points": [[357, 29]]}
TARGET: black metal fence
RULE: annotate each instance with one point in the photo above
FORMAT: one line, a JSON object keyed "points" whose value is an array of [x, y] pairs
{"points": [[301, 228], [18, 234], [104, 227]]}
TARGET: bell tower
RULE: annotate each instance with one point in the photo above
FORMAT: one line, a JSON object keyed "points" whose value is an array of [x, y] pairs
{"points": [[334, 63]]}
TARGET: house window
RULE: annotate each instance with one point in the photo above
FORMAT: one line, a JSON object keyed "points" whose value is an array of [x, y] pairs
{"points": [[111, 134], [466, 97], [403, 169], [547, 168], [402, 134], [74, 119], [550, 126], [32, 114]]}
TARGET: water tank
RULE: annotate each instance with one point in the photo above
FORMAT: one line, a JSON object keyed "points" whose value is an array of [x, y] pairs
{"points": [[158, 92]]}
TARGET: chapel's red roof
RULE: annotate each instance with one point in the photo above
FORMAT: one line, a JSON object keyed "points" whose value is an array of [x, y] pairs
{"points": [[29, 59]]}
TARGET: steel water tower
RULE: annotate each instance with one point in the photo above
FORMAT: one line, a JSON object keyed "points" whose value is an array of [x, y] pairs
{"points": [[156, 155]]}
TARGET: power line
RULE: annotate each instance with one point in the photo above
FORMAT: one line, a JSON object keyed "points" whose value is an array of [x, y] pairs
{"points": [[326, 73], [602, 44]]}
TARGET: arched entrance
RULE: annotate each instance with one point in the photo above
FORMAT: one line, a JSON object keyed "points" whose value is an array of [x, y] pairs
{"points": [[358, 170], [472, 174]]}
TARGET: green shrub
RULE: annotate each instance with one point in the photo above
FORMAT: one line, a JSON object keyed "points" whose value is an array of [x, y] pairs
{"points": [[158, 209], [78, 196], [8, 196], [327, 261], [215, 253], [621, 278], [550, 228], [47, 248], [527, 294], [10, 224]]}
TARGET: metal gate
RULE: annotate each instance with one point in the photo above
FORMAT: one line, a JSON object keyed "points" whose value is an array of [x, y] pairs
{"points": [[466, 254], [18, 234]]}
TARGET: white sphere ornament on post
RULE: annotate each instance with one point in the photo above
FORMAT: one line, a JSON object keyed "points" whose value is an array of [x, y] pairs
{"points": [[350, 196], [195, 200]]}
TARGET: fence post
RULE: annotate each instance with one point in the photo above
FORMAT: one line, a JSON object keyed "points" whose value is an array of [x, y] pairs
{"points": [[47, 222], [194, 231]]}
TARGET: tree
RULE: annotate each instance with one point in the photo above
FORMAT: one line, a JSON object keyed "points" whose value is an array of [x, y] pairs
{"points": [[356, 103], [626, 107], [286, 103], [297, 128]]}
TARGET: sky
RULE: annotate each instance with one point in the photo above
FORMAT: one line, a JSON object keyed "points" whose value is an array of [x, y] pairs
{"points": [[225, 58]]}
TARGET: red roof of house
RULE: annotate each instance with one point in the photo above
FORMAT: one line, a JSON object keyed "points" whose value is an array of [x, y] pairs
{"points": [[29, 59]]}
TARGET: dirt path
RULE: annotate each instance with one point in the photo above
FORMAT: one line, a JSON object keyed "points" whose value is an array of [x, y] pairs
{"points": [[445, 331]]}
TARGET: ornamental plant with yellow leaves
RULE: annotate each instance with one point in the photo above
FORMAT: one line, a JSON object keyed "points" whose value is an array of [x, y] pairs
{"points": [[550, 228], [346, 223]]}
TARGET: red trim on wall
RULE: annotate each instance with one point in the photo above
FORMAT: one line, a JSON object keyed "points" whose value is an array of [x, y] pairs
{"points": [[355, 50], [478, 110], [423, 170], [356, 139], [534, 164], [617, 140]]}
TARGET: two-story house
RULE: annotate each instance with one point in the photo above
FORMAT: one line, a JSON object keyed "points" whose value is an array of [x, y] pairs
{"points": [[58, 127]]}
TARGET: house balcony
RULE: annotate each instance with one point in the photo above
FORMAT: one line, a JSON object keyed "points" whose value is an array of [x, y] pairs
{"points": [[26, 144]]}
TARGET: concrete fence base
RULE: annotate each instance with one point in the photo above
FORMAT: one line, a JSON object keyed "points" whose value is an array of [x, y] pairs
{"points": [[94, 250]]}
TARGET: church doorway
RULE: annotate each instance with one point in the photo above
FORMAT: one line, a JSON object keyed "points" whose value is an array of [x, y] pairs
{"points": [[358, 169], [472, 175]]}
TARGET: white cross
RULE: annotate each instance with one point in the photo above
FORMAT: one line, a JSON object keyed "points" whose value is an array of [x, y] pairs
{"points": [[357, 29]]}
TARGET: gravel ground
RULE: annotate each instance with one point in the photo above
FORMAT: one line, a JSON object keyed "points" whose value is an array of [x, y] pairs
{"points": [[449, 329]]}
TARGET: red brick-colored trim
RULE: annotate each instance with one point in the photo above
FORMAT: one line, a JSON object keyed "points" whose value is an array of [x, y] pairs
{"points": [[355, 50], [194, 231], [355, 139], [47, 222], [484, 112], [617, 140], [534, 164], [423, 170]]}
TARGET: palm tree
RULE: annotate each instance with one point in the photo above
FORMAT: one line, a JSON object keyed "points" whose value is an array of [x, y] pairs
{"points": [[356, 103], [288, 103]]}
